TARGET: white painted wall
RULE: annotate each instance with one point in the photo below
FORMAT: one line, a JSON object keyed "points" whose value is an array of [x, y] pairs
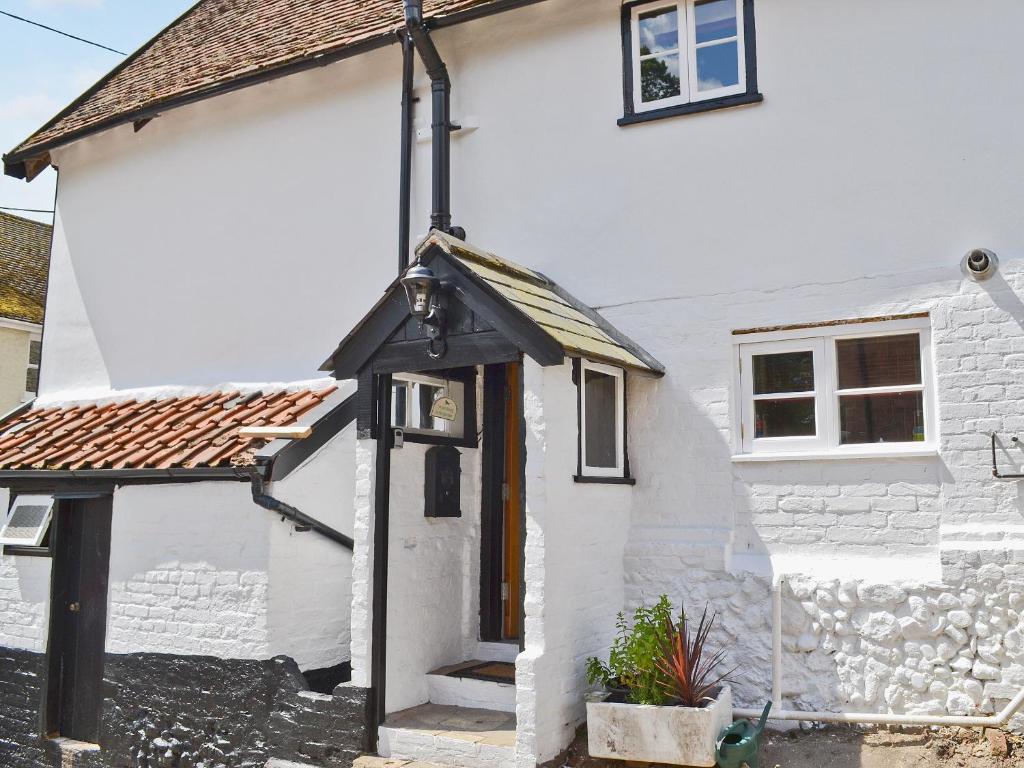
{"points": [[575, 534], [875, 161]]}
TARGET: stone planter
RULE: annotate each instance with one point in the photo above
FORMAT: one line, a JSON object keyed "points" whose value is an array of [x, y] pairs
{"points": [[651, 734]]}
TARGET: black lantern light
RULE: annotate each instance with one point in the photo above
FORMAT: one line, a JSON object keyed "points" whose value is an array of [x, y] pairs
{"points": [[427, 301], [420, 285]]}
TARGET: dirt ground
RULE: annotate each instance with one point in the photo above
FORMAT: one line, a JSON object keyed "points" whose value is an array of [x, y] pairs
{"points": [[842, 747]]}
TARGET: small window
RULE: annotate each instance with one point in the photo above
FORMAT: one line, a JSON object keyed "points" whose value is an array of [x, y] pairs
{"points": [[687, 52], [27, 522], [855, 387], [35, 348], [602, 421], [428, 406]]}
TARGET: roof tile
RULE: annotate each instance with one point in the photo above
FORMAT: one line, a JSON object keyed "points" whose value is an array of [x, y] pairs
{"points": [[24, 263], [166, 433]]}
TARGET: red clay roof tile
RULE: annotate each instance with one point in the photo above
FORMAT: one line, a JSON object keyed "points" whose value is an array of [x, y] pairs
{"points": [[166, 433]]}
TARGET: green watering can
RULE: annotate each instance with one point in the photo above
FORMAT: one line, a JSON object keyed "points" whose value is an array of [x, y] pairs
{"points": [[738, 743]]}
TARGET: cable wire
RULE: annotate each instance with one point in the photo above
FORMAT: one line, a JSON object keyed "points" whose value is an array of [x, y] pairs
{"points": [[66, 34], [25, 210]]}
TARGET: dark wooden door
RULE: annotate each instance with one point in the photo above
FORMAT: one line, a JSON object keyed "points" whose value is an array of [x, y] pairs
{"points": [[512, 508], [79, 617]]}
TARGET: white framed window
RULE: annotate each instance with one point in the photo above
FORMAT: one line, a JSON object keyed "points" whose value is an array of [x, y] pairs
{"points": [[686, 51], [27, 522], [35, 348], [602, 421], [843, 390], [428, 406]]}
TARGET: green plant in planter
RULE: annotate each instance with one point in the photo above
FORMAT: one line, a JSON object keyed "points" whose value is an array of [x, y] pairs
{"points": [[633, 663], [692, 671]]}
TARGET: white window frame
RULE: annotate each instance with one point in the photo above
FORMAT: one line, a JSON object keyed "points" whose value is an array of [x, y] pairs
{"points": [[40, 533], [37, 337], [689, 91], [826, 443], [455, 389], [619, 470]]}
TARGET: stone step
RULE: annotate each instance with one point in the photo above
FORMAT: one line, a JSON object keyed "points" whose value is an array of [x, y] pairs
{"points": [[371, 761], [450, 736], [469, 692]]}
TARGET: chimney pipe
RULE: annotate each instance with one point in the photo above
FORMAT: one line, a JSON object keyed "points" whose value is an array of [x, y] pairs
{"points": [[441, 123]]}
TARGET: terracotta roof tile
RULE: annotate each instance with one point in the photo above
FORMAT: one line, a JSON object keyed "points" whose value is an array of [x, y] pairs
{"points": [[178, 432], [219, 41], [24, 263]]}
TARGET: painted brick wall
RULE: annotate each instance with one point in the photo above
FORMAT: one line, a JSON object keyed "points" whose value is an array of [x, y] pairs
{"points": [[706, 529]]}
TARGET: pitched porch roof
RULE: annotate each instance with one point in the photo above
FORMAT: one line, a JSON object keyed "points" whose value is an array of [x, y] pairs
{"points": [[532, 311], [201, 431]]}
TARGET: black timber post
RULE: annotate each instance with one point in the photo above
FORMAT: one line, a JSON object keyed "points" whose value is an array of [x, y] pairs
{"points": [[381, 514]]}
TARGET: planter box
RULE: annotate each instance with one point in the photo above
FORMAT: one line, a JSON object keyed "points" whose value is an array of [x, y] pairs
{"points": [[650, 734]]}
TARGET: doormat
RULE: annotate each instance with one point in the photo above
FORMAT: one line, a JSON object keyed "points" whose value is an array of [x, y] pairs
{"points": [[489, 671]]}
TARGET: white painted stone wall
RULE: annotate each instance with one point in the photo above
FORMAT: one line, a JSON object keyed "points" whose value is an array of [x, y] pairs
{"points": [[433, 578], [575, 535], [24, 598]]}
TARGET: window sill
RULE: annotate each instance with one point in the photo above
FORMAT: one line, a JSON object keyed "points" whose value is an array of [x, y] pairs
{"points": [[692, 108], [604, 480], [891, 453], [18, 549]]}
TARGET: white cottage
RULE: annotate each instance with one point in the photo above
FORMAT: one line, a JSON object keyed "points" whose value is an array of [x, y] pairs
{"points": [[752, 339]]}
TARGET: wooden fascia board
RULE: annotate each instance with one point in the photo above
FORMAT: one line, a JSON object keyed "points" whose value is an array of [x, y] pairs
{"points": [[369, 334]]}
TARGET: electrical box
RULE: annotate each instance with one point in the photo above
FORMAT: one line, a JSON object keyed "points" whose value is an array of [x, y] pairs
{"points": [[443, 482]]}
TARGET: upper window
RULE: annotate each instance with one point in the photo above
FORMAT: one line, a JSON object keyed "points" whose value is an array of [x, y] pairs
{"points": [[27, 522], [602, 403], [687, 52], [849, 388]]}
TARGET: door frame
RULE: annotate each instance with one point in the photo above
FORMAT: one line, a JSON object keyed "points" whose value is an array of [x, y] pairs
{"points": [[50, 714], [492, 553]]}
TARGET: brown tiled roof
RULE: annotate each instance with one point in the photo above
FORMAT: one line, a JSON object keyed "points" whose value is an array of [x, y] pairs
{"points": [[220, 41], [170, 433], [24, 260]]}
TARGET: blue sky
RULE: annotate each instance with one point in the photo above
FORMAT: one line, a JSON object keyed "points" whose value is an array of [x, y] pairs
{"points": [[43, 71]]}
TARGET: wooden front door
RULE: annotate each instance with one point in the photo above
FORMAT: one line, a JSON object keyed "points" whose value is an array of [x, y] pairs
{"points": [[502, 519], [512, 522], [78, 618]]}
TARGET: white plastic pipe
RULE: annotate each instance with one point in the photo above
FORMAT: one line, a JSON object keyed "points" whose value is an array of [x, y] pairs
{"points": [[778, 713]]}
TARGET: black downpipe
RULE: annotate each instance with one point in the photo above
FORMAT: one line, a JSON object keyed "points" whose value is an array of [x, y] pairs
{"points": [[263, 499], [441, 120], [405, 183]]}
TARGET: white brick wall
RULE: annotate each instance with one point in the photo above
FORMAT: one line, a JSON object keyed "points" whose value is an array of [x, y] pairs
{"points": [[24, 598]]}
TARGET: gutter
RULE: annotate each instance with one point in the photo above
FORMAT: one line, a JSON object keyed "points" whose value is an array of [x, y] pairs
{"points": [[17, 160]]}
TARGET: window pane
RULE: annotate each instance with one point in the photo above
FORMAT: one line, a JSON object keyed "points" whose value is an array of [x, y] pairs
{"points": [[659, 77], [399, 405], [786, 372], [896, 418], [601, 420], [715, 19], [784, 418], [879, 362], [35, 349], [718, 66], [427, 395], [32, 380], [659, 31]]}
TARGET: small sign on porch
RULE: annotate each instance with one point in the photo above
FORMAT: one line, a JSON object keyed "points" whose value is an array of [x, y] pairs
{"points": [[444, 408]]}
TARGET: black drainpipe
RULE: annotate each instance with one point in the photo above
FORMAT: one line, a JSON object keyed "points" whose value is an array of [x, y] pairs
{"points": [[441, 119], [405, 183], [301, 519]]}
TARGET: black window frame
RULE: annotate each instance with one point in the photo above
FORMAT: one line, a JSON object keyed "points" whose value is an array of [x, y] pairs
{"points": [[631, 116], [627, 476]]}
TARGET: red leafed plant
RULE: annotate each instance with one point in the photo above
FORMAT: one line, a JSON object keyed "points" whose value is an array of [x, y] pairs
{"points": [[692, 672]]}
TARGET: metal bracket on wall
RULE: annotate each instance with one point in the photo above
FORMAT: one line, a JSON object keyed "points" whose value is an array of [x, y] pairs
{"points": [[995, 467]]}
